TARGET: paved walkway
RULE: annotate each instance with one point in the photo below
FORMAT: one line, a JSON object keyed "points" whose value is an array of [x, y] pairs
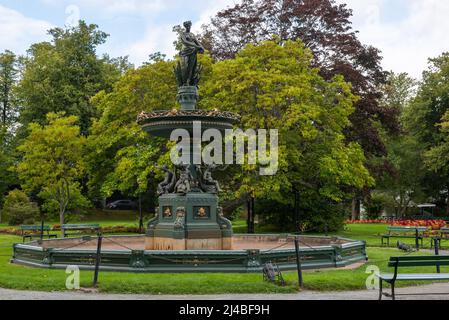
{"points": [[308, 295]]}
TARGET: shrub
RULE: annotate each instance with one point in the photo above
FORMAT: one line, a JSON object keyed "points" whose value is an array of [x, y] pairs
{"points": [[18, 208], [316, 215]]}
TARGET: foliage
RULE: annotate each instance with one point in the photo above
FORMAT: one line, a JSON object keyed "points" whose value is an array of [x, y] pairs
{"points": [[400, 185], [18, 209], [52, 163], [426, 120], [325, 28], [8, 78], [8, 116], [375, 206], [273, 86], [120, 155], [62, 75]]}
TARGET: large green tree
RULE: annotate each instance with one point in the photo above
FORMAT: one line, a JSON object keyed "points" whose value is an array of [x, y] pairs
{"points": [[401, 183], [274, 86], [424, 119], [8, 115], [52, 163], [64, 74]]}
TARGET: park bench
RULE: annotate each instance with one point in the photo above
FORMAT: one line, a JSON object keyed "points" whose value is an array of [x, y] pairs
{"points": [[412, 261], [443, 234], [80, 230], [35, 231], [416, 233]]}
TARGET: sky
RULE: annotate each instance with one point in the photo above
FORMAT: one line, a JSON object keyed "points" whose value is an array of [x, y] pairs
{"points": [[407, 32]]}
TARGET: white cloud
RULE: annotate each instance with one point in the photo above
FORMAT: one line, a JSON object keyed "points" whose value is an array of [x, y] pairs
{"points": [[409, 40], [17, 32]]}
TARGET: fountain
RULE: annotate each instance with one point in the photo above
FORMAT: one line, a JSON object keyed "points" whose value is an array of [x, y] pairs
{"points": [[188, 216], [189, 232]]}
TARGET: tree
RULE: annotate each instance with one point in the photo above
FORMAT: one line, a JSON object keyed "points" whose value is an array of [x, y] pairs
{"points": [[425, 120], [273, 86], [437, 158], [325, 28], [64, 74], [120, 155], [8, 116], [52, 163], [400, 185], [8, 79], [7, 156]]}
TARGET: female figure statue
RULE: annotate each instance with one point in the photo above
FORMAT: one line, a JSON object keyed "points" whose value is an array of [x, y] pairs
{"points": [[188, 70]]}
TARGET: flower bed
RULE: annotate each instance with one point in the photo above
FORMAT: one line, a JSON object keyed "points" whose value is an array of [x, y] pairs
{"points": [[372, 221], [430, 224]]}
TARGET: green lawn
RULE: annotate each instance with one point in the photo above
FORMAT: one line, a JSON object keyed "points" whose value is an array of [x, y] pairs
{"points": [[371, 233], [24, 278]]}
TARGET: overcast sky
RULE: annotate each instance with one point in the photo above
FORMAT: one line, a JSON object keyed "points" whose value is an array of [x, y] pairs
{"points": [[407, 31]]}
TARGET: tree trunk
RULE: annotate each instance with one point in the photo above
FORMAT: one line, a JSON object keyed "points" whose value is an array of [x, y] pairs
{"points": [[356, 208], [251, 215], [62, 221], [447, 202]]}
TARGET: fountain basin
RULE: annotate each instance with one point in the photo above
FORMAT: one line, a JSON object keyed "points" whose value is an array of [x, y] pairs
{"points": [[251, 252]]}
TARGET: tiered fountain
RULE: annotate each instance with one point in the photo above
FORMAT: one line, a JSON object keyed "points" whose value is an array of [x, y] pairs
{"points": [[188, 217]]}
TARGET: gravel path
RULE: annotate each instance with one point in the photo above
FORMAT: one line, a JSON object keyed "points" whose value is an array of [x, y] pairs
{"points": [[6, 294]]}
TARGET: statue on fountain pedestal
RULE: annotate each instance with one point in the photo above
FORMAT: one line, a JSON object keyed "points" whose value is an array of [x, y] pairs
{"points": [[168, 184], [188, 71], [209, 184]]}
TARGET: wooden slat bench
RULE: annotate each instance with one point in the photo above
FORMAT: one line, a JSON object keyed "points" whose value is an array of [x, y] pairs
{"points": [[86, 230], [412, 261], [36, 231], [416, 233]]}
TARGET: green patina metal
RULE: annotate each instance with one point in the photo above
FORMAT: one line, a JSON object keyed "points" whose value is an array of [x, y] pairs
{"points": [[192, 261]]}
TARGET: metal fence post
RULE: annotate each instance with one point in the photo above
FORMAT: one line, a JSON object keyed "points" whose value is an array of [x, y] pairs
{"points": [[98, 260], [437, 251], [298, 263], [417, 239], [42, 229]]}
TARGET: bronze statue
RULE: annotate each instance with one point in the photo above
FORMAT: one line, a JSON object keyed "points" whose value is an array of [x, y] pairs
{"points": [[184, 184], [209, 184], [188, 71], [168, 184]]}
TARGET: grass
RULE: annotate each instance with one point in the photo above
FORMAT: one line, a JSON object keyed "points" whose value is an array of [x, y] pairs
{"points": [[372, 233]]}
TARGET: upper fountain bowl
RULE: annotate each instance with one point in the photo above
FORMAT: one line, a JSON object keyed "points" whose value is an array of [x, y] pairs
{"points": [[162, 123]]}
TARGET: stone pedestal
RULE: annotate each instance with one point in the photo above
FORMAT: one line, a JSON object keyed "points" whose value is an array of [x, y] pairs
{"points": [[189, 222], [188, 97]]}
